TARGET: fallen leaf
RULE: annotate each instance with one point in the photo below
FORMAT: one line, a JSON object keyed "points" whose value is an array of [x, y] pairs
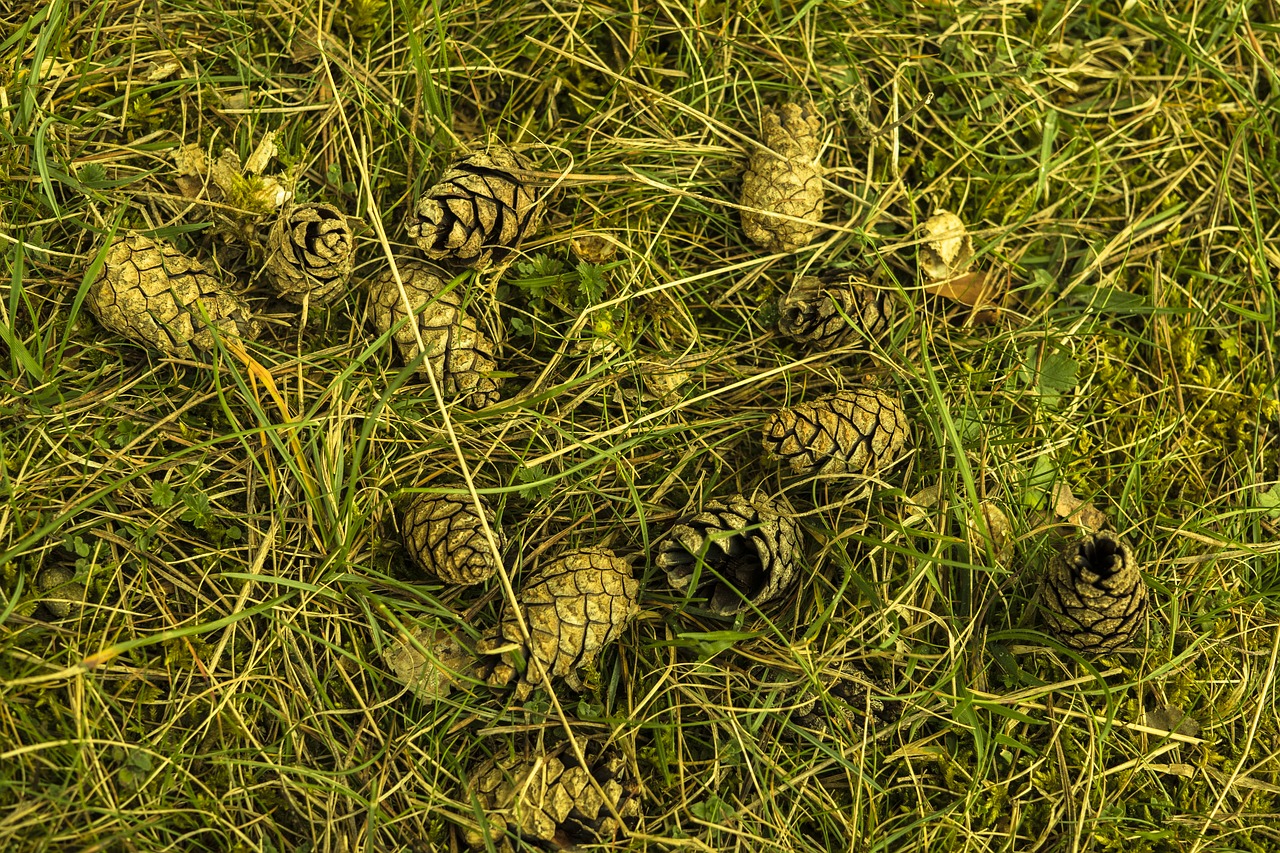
{"points": [[947, 249], [262, 155], [1168, 718], [430, 676], [162, 70], [978, 289], [1076, 511]]}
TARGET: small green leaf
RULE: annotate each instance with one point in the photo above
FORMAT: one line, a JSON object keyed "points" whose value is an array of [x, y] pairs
{"points": [[591, 284], [1270, 501], [161, 494]]}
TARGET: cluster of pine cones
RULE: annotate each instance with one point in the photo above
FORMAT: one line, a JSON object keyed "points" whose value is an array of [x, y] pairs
{"points": [[736, 554]]}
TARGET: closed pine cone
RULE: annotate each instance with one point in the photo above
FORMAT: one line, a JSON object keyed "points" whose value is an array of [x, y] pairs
{"points": [[856, 431], [310, 251], [445, 538], [784, 177], [479, 211], [548, 796], [1093, 594], [459, 354], [574, 607], [155, 296], [747, 549], [826, 311]]}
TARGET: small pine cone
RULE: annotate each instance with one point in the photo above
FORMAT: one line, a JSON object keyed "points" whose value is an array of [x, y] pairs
{"points": [[459, 354], [445, 538], [856, 432], [310, 251], [744, 552], [574, 607], [825, 312], [549, 797], [785, 178], [479, 211], [156, 296], [1093, 595]]}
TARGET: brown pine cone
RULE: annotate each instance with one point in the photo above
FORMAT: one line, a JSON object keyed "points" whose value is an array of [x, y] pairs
{"points": [[548, 796], [458, 352], [826, 311], [743, 552], [479, 211], [784, 177], [154, 295], [856, 431], [574, 607], [310, 251], [1093, 595], [445, 538]]}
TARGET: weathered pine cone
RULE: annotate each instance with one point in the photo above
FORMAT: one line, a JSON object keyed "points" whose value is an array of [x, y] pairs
{"points": [[857, 431], [852, 695], [459, 354], [826, 311], [310, 251], [550, 798], [573, 607], [155, 296], [1093, 595], [446, 540], [479, 211], [742, 552], [784, 179]]}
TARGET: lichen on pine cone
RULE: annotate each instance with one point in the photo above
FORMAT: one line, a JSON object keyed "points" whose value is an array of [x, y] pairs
{"points": [[479, 211], [855, 431], [739, 552], [552, 798], [825, 311], [310, 251], [782, 192], [573, 607], [154, 295], [445, 538], [458, 352], [1093, 596]]}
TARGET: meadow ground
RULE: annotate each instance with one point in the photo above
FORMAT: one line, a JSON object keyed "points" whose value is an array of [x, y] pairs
{"points": [[221, 684]]}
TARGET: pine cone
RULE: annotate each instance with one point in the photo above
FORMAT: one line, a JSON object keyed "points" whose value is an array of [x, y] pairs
{"points": [[310, 251], [854, 695], [549, 797], [458, 352], [856, 431], [156, 296], [1093, 595], [445, 538], [784, 177], [743, 552], [827, 311], [574, 607], [479, 211]]}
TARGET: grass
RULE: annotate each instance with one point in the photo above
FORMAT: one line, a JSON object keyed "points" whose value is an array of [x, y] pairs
{"points": [[223, 684]]}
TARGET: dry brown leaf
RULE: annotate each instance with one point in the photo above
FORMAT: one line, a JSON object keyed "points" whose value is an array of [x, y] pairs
{"points": [[1076, 511]]}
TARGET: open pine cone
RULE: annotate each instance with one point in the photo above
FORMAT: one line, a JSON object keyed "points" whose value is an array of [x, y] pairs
{"points": [[445, 538], [549, 797], [459, 354], [784, 177], [310, 250], [574, 607], [479, 211], [856, 431], [155, 296], [825, 311], [743, 552], [1093, 595]]}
